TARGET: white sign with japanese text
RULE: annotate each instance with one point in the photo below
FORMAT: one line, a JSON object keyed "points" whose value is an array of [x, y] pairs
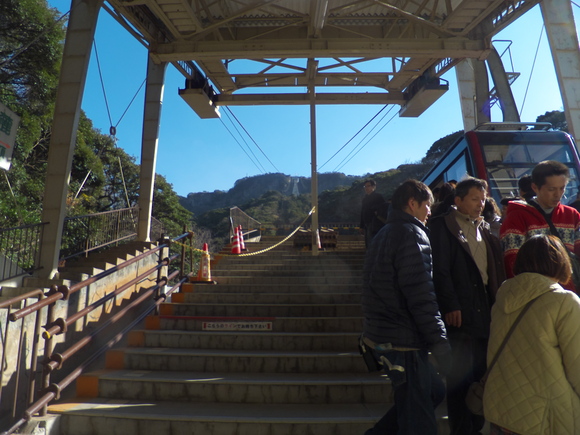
{"points": [[8, 125]]}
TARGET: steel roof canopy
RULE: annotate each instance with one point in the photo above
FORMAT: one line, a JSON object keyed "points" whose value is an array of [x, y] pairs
{"points": [[262, 47]]}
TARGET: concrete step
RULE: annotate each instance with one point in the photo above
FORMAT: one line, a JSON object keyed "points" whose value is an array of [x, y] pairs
{"points": [[203, 360], [279, 324], [297, 268], [302, 273], [249, 287], [296, 280], [261, 310], [236, 340], [268, 388], [100, 416], [266, 298]]}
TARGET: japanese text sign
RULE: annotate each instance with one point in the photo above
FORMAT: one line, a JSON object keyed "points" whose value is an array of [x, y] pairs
{"points": [[8, 125]]}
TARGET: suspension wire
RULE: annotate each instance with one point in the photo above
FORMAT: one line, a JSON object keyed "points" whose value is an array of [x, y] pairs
{"points": [[131, 102], [355, 135], [575, 4], [360, 149], [246, 143], [362, 140], [123, 179], [240, 145], [40, 35], [102, 82], [532, 71], [250, 136]]}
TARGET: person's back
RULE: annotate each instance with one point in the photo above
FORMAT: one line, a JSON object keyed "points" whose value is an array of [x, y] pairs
{"points": [[402, 320], [374, 210], [533, 386]]}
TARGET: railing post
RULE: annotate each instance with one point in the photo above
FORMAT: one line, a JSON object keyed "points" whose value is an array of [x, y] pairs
{"points": [[160, 272], [87, 237], [48, 349], [183, 252]]}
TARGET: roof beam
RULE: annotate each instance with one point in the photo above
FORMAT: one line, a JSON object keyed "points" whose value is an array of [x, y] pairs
{"points": [[303, 99], [456, 47]]}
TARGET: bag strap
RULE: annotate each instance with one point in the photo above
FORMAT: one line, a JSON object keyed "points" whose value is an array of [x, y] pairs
{"points": [[548, 218], [508, 335]]}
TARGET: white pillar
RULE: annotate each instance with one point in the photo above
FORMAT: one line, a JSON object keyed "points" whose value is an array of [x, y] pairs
{"points": [[75, 62], [563, 41], [151, 120], [473, 87]]}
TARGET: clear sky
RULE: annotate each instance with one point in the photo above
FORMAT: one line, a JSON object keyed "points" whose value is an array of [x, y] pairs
{"points": [[198, 155]]}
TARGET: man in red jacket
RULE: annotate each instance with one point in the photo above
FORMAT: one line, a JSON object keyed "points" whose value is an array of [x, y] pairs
{"points": [[525, 219]]}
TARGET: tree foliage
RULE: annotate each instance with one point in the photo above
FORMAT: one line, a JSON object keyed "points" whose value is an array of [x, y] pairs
{"points": [[103, 176], [557, 118]]}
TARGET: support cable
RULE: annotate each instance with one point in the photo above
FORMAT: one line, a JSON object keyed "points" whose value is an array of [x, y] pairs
{"points": [[246, 143], [532, 71], [240, 145], [250, 136], [360, 149], [355, 135], [102, 82], [354, 150]]}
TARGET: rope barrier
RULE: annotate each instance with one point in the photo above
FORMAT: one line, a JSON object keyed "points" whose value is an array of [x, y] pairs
{"points": [[249, 254]]}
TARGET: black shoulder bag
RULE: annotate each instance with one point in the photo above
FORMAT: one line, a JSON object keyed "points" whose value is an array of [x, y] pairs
{"points": [[573, 257]]}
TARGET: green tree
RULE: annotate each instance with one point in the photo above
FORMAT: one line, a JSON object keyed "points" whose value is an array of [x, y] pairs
{"points": [[30, 53], [556, 117], [167, 209]]}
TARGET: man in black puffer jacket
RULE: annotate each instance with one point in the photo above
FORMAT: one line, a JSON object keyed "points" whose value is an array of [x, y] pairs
{"points": [[402, 320]]}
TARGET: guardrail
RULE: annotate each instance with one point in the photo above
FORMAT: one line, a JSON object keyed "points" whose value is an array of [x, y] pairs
{"points": [[20, 250], [250, 226], [44, 361], [20, 246], [83, 234]]}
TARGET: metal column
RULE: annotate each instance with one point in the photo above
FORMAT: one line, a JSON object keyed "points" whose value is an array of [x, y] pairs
{"points": [[563, 40], [151, 121], [502, 87], [311, 72], [75, 62]]}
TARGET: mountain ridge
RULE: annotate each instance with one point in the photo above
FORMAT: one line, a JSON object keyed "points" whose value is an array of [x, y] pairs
{"points": [[254, 187]]}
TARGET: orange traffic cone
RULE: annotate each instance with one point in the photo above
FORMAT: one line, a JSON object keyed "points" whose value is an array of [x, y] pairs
{"points": [[236, 243], [204, 272], [242, 243]]}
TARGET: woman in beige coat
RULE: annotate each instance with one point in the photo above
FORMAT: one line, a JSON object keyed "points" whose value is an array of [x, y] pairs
{"points": [[535, 384]]}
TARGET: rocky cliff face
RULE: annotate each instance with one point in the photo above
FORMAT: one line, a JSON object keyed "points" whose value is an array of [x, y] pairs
{"points": [[254, 187]]}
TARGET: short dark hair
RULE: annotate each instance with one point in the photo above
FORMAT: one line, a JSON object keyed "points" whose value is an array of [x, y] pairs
{"points": [[490, 209], [546, 255], [464, 186], [525, 183], [411, 189], [547, 168], [371, 181]]}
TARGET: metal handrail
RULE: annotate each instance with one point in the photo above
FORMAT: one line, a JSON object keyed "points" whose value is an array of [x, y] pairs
{"points": [[52, 361]]}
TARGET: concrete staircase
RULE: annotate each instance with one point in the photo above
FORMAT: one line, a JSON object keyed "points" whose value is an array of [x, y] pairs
{"points": [[270, 350]]}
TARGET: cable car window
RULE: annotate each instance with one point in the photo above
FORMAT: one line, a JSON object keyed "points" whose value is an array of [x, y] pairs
{"points": [[536, 153]]}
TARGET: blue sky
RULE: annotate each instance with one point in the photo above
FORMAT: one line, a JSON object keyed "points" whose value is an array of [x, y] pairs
{"points": [[198, 155]]}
